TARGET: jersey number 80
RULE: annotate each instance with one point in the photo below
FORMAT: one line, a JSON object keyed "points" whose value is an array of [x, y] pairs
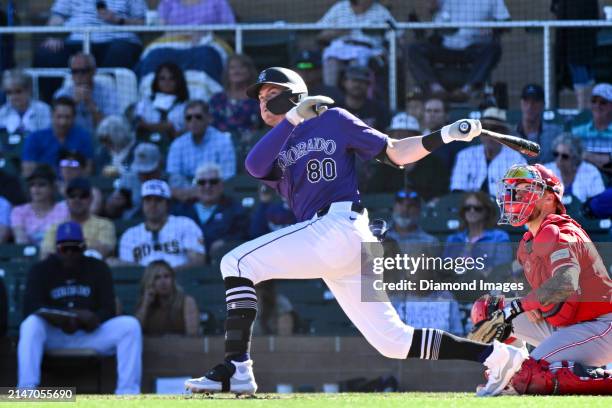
{"points": [[324, 169]]}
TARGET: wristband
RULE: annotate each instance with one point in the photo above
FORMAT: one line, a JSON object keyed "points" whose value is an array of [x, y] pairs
{"points": [[294, 117], [530, 302], [513, 309], [432, 141]]}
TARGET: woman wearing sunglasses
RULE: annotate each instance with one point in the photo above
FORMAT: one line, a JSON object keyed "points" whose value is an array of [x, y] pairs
{"points": [[478, 236], [580, 178]]}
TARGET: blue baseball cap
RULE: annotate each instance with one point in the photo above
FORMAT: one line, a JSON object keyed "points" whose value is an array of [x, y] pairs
{"points": [[69, 232]]}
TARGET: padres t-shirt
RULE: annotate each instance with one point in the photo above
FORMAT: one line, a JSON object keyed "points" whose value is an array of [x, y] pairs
{"points": [[171, 243]]}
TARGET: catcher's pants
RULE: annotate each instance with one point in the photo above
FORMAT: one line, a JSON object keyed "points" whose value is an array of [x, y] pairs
{"points": [[589, 343], [327, 247], [120, 335]]}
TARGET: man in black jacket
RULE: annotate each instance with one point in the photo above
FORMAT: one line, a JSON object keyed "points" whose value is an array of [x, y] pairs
{"points": [[70, 303]]}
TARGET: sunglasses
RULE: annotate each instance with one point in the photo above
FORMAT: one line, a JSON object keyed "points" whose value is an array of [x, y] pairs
{"points": [[66, 249], [15, 91], [80, 71], [212, 182], [39, 184], [477, 208], [79, 196], [599, 101], [563, 156], [197, 117], [69, 163]]}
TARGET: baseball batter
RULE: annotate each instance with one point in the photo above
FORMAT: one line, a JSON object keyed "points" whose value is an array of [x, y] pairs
{"points": [[309, 158], [568, 314]]}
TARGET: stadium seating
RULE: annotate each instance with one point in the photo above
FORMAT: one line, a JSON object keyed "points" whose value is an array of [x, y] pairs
{"points": [[121, 79]]}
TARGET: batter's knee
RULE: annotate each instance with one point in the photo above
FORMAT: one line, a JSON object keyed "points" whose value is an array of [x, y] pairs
{"points": [[233, 264]]}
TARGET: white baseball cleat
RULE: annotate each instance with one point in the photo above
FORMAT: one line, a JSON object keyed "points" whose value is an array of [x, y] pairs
{"points": [[231, 376], [503, 363]]}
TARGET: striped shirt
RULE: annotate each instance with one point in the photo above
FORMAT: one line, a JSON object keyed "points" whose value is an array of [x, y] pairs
{"points": [[103, 95], [471, 168], [185, 156], [80, 13], [36, 117]]}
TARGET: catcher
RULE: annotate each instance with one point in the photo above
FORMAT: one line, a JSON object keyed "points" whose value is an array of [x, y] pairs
{"points": [[567, 316]]}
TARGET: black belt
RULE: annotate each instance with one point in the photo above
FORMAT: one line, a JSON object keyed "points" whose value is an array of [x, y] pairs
{"points": [[358, 208]]}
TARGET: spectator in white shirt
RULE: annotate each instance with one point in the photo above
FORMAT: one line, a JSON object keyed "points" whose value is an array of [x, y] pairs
{"points": [[474, 46], [580, 178], [21, 114], [480, 167], [351, 45], [175, 239], [202, 143], [163, 111], [111, 48]]}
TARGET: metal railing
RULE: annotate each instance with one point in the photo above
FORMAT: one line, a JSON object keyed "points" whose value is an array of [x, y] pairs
{"points": [[390, 29]]}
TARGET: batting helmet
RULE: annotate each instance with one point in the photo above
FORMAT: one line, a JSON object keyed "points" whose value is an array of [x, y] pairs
{"points": [[278, 76]]}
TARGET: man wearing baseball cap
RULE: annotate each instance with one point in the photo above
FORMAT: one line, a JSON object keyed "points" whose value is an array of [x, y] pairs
{"points": [[308, 65], [175, 239], [531, 125], [596, 134], [99, 232], [125, 201], [428, 176], [69, 303], [355, 86]]}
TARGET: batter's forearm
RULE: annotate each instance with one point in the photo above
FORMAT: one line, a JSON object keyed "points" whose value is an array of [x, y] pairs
{"points": [[406, 150], [562, 285], [261, 158]]}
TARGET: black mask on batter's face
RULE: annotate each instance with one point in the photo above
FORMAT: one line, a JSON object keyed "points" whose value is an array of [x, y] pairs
{"points": [[282, 103]]}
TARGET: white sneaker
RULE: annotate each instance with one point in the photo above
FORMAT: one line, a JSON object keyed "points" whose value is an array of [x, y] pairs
{"points": [[503, 363], [231, 376]]}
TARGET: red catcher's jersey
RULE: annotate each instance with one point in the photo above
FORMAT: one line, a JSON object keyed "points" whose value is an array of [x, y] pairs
{"points": [[559, 242]]}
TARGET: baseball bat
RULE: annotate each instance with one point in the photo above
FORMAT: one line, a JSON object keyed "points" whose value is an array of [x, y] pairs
{"points": [[527, 147]]}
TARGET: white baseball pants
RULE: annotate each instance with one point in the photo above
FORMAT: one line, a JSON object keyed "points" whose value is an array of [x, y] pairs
{"points": [[327, 247], [121, 335]]}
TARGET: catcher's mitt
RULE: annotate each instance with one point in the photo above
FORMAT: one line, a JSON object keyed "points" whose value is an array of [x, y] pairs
{"points": [[489, 320], [494, 328]]}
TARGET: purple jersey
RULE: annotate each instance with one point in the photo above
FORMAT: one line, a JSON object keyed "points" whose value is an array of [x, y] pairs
{"points": [[316, 164]]}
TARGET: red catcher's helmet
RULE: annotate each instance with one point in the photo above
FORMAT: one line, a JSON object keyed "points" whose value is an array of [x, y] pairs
{"points": [[484, 307], [517, 203]]}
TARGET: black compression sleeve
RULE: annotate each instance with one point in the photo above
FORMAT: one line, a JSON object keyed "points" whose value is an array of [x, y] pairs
{"points": [[432, 141]]}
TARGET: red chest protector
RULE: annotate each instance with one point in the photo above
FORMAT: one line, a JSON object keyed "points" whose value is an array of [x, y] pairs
{"points": [[559, 242]]}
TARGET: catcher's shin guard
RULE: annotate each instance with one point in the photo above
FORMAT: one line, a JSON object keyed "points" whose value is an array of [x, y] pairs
{"points": [[543, 378]]}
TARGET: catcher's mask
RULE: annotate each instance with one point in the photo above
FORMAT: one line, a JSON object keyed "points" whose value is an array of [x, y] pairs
{"points": [[521, 187]]}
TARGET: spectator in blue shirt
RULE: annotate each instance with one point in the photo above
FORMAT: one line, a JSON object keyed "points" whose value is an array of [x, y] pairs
{"points": [[269, 214], [221, 218], [44, 146], [478, 237], [202, 143]]}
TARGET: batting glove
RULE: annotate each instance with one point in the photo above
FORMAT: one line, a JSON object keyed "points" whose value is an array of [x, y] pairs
{"points": [[463, 130], [308, 108]]}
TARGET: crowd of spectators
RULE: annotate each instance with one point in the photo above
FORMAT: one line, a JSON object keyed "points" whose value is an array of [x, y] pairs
{"points": [[170, 155]]}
